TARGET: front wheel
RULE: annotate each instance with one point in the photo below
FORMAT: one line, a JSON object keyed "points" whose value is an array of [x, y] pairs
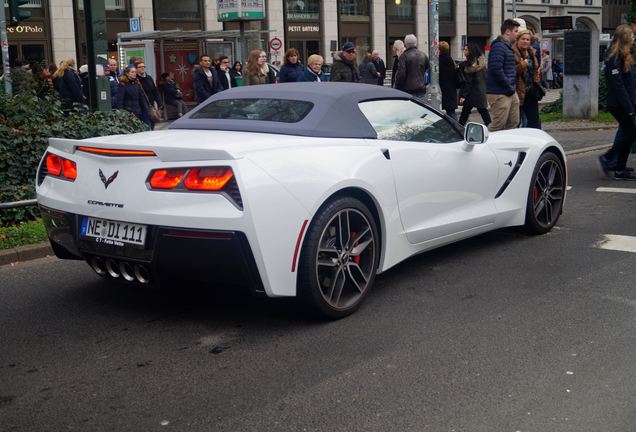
{"points": [[546, 194], [339, 258]]}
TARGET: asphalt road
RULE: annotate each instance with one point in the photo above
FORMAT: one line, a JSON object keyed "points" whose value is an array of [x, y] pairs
{"points": [[504, 332]]}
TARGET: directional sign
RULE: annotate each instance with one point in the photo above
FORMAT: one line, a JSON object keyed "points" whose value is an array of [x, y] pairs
{"points": [[135, 26], [275, 44]]}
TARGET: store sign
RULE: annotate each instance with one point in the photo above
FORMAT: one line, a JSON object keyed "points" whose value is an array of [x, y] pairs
{"points": [[241, 10], [25, 29], [556, 23], [303, 29]]}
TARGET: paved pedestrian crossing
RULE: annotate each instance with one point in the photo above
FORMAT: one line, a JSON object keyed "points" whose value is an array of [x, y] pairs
{"points": [[550, 96]]}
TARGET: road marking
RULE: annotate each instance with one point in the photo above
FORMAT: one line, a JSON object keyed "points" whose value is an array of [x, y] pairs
{"points": [[617, 242], [618, 190], [568, 188]]}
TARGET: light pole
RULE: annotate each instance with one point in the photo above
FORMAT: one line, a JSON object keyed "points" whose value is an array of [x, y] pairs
{"points": [[433, 97]]}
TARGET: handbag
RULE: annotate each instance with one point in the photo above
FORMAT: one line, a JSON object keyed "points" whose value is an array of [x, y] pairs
{"points": [[460, 77], [153, 112], [536, 91]]}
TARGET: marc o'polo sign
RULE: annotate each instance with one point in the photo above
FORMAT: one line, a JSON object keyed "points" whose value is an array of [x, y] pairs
{"points": [[21, 29]]}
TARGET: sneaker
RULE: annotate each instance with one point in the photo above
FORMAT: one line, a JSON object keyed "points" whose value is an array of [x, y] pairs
{"points": [[603, 166], [624, 175]]}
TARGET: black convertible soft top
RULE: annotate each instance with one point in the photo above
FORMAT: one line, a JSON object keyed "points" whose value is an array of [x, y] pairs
{"points": [[335, 112]]}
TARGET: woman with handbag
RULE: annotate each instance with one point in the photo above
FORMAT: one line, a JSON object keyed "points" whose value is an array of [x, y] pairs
{"points": [[529, 87], [473, 92], [131, 96]]}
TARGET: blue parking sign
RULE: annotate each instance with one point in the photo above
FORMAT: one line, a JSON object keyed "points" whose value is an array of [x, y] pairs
{"points": [[134, 25]]}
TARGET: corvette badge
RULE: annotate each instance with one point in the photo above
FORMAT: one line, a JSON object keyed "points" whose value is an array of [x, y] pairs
{"points": [[108, 180]]}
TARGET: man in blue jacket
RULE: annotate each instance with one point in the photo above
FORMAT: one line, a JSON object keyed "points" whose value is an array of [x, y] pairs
{"points": [[501, 79], [206, 80]]}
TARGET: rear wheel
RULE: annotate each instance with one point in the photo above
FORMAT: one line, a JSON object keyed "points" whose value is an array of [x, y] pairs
{"points": [[339, 258], [545, 197]]}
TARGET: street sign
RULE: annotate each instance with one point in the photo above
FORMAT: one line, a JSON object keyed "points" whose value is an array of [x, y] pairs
{"points": [[275, 44], [240, 10], [135, 25]]}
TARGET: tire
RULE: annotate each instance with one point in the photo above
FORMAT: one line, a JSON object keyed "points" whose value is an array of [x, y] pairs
{"points": [[339, 258], [545, 195]]}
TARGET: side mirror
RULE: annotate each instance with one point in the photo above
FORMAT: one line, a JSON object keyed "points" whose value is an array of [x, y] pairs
{"points": [[475, 133]]}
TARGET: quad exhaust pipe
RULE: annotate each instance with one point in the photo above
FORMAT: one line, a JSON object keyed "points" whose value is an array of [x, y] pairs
{"points": [[120, 269]]}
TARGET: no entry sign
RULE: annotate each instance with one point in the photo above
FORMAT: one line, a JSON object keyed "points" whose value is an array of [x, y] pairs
{"points": [[275, 44]]}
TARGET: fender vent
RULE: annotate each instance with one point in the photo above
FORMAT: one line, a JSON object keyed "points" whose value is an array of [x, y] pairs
{"points": [[513, 173]]}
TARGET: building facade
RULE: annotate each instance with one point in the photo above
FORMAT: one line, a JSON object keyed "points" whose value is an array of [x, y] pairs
{"points": [[56, 29]]}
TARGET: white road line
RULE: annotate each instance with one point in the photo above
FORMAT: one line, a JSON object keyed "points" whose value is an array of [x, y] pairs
{"points": [[617, 190], [617, 242]]}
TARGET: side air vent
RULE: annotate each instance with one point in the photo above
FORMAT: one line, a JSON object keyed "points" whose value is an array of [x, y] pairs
{"points": [[513, 173]]}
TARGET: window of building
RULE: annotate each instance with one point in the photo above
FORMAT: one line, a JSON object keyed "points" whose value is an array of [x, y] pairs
{"points": [[400, 11], [354, 10], [177, 10], [564, 1], [299, 10], [479, 11], [446, 10]]}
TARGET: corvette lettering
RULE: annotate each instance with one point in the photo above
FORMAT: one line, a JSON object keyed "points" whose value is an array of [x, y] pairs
{"points": [[105, 204]]}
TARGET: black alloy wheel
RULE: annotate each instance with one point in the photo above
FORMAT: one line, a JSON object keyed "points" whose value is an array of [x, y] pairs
{"points": [[547, 191], [339, 258]]}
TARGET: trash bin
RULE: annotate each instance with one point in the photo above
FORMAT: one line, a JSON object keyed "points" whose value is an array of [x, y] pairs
{"points": [[239, 81]]}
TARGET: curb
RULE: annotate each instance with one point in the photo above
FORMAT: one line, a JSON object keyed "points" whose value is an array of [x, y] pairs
{"points": [[25, 253]]}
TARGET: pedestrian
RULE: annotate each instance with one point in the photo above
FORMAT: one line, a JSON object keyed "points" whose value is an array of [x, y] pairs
{"points": [[398, 49], [172, 96], [412, 67], [291, 68], [257, 71], [379, 66], [501, 89], [151, 92], [344, 67], [42, 80], [557, 73], [621, 102], [473, 93], [131, 95], [313, 71], [227, 79], [367, 71], [448, 82], [113, 81], [206, 80], [237, 69], [546, 70], [67, 83], [528, 80]]}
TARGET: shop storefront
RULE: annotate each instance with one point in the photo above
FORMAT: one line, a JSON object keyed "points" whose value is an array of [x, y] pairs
{"points": [[302, 27], [400, 21], [354, 25], [30, 40]]}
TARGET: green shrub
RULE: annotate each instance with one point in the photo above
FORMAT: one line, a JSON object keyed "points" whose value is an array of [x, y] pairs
{"points": [[26, 123]]}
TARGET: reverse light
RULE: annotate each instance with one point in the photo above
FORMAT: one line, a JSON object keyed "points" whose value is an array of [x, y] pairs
{"points": [[166, 178], [57, 166], [208, 178]]}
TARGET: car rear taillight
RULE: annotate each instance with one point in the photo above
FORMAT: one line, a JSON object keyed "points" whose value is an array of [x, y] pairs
{"points": [[166, 178], [218, 179], [208, 179], [60, 167]]}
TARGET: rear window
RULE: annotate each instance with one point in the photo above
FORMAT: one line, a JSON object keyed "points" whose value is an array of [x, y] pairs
{"points": [[275, 110]]}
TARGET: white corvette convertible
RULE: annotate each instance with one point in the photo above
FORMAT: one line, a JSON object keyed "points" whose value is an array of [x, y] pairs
{"points": [[303, 189]]}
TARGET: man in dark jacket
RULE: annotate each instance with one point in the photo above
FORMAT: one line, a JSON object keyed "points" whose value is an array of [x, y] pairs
{"points": [[501, 79], [344, 68], [113, 80], [379, 66], [412, 67], [206, 80], [224, 73]]}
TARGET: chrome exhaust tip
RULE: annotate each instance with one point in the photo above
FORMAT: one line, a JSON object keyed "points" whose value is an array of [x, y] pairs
{"points": [[111, 268], [97, 264], [142, 274], [126, 271]]}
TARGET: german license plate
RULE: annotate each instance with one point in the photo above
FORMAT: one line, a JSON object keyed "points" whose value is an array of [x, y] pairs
{"points": [[113, 232]]}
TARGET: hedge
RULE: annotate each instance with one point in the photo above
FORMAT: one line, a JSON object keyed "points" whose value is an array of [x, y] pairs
{"points": [[26, 123]]}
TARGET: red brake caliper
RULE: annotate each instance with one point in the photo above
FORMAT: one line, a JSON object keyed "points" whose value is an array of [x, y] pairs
{"points": [[535, 194], [356, 259]]}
